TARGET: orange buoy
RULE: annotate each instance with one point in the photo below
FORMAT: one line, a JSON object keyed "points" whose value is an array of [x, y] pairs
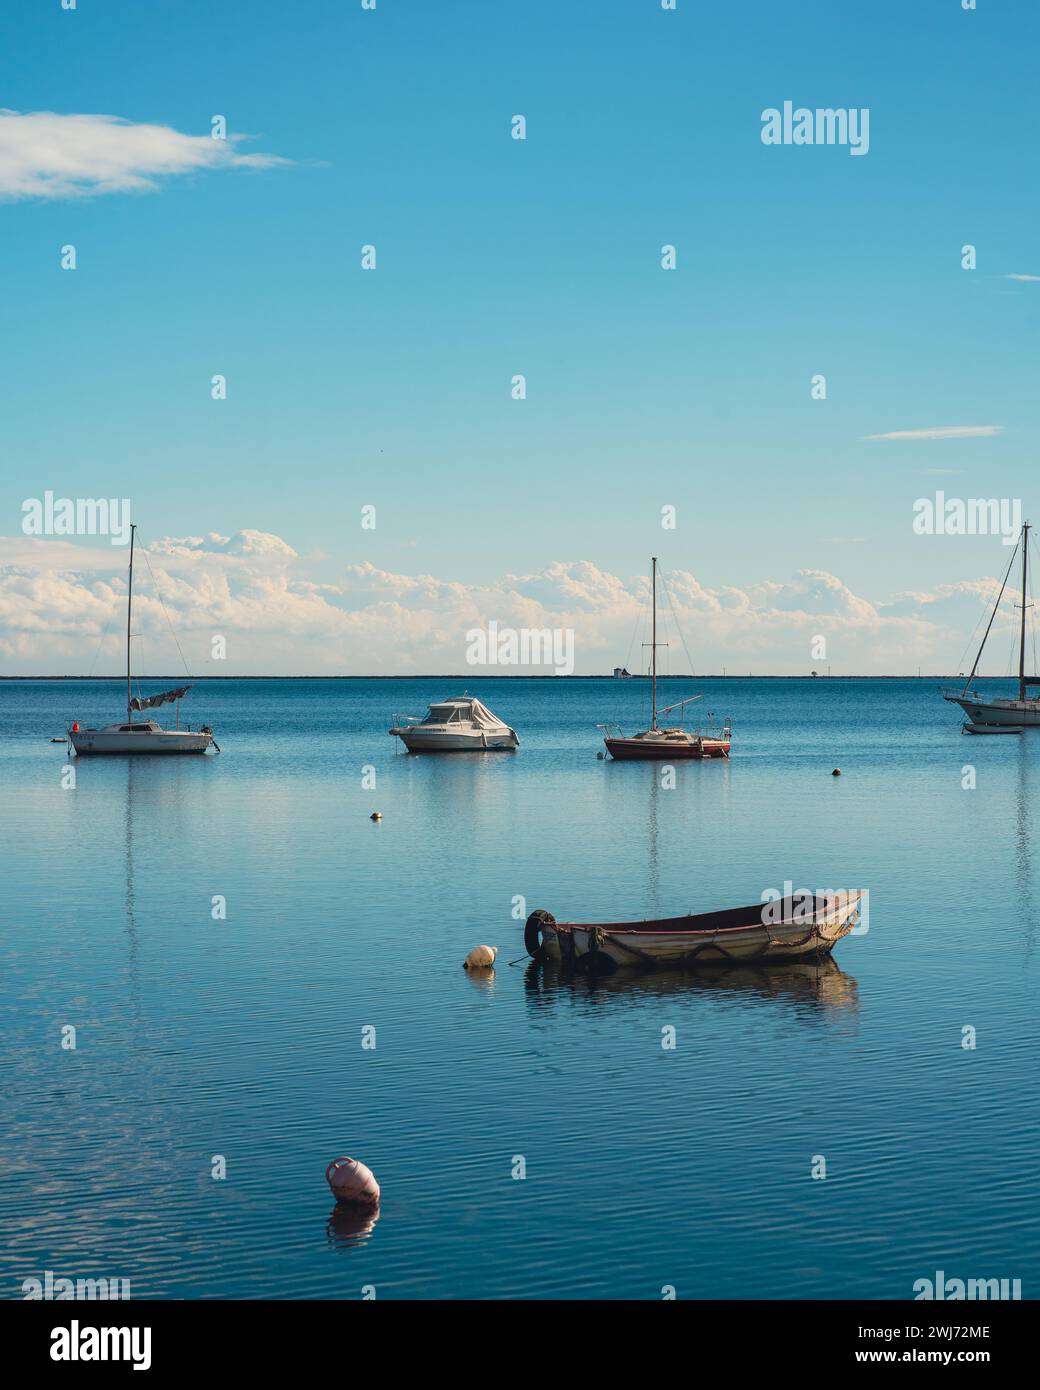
{"points": [[352, 1182], [75, 726]]}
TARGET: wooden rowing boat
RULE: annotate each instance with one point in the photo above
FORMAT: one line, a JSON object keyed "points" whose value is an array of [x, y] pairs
{"points": [[793, 928]]}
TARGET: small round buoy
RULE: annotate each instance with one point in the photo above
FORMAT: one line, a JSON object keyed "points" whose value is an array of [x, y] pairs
{"points": [[599, 757], [376, 815], [481, 958], [352, 1182], [836, 772]]}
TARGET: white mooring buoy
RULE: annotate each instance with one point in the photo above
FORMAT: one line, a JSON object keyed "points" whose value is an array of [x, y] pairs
{"points": [[481, 958], [352, 1182]]}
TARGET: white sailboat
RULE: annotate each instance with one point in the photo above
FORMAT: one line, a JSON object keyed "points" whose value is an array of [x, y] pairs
{"points": [[142, 735], [988, 710]]}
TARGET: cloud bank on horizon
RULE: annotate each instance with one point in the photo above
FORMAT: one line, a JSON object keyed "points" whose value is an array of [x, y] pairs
{"points": [[47, 155], [62, 606]]}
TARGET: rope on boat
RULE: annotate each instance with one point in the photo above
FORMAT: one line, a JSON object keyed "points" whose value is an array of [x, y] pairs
{"points": [[813, 933], [635, 951]]}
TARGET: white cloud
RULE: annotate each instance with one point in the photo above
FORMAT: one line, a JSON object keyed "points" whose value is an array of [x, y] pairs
{"points": [[942, 432], [251, 546], [58, 599], [47, 155], [21, 550]]}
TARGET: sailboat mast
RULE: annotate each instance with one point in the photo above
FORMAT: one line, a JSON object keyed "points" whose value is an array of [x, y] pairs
{"points": [[653, 645], [1022, 639], [129, 606]]}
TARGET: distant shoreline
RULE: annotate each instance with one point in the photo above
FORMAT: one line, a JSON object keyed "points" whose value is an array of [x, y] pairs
{"points": [[474, 676]]}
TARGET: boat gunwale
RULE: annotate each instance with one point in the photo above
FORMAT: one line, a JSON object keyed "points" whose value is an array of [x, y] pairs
{"points": [[663, 925]]}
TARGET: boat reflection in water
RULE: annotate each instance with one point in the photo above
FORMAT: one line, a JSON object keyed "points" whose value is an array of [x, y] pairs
{"points": [[814, 986], [350, 1225]]}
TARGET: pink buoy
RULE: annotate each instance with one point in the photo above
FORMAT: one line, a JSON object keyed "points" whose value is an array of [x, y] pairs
{"points": [[352, 1182]]}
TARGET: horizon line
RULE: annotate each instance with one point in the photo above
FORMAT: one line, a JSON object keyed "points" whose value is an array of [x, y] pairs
{"points": [[434, 676]]}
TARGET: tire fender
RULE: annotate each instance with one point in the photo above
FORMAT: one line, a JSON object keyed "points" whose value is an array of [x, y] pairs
{"points": [[537, 925]]}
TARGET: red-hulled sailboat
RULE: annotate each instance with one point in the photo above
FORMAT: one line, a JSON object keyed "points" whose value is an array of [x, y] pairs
{"points": [[666, 745]]}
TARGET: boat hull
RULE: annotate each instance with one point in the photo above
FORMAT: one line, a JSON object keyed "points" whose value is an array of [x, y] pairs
{"points": [[683, 943], [418, 740], [647, 750], [91, 742], [1022, 713]]}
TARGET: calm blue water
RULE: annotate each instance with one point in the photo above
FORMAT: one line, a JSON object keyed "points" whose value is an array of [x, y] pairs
{"points": [[645, 1167]]}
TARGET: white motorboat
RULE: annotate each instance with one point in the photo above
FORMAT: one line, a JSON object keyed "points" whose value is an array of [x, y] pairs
{"points": [[459, 725], [1002, 713], [143, 735]]}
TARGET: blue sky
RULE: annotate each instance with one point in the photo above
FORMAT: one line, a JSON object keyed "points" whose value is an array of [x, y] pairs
{"points": [[497, 257]]}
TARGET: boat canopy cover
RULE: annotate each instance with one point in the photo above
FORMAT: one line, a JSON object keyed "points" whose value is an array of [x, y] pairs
{"points": [[464, 708], [166, 697]]}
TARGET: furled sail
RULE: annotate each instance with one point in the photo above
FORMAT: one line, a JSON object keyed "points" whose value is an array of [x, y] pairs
{"points": [[166, 697]]}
